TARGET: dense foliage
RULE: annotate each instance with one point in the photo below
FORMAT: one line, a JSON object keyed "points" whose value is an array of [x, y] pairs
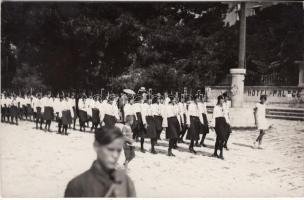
{"points": [[160, 45]]}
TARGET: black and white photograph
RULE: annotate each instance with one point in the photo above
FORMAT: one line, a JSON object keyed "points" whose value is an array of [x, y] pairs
{"points": [[152, 99]]}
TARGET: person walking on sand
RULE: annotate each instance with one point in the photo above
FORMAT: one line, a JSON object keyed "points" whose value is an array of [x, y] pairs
{"points": [[129, 148], [260, 120], [103, 179]]}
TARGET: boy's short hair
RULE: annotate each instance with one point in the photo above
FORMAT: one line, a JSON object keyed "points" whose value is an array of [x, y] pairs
{"points": [[263, 97]]}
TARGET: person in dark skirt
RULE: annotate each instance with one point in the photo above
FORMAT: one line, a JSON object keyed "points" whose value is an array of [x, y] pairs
{"points": [[170, 124], [142, 124], [95, 115], [58, 110], [226, 106], [110, 112], [157, 108], [83, 116], [48, 113], [183, 111], [205, 126], [14, 111], [194, 122], [103, 179], [37, 102], [221, 127], [151, 131]]}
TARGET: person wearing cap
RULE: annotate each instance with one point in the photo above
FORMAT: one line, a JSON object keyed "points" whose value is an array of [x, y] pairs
{"points": [[142, 123], [103, 179], [170, 123], [194, 121]]}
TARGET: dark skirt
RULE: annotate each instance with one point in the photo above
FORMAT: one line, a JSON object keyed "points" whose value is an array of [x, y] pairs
{"points": [[173, 129], [205, 126], [141, 131], [14, 111], [109, 121], [65, 117], [48, 113], [95, 116], [39, 113], [194, 129], [83, 116], [158, 123], [221, 127], [5, 111], [29, 109], [69, 117], [151, 128]]}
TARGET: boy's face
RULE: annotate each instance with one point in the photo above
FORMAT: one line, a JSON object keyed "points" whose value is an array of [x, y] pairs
{"points": [[263, 100]]}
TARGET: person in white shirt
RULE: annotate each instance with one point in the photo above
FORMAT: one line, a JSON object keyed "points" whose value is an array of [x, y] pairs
{"points": [[260, 120], [14, 111], [226, 107], [204, 127], [220, 125], [129, 110], [194, 121], [182, 105], [142, 123], [151, 132], [95, 114], [110, 112], [48, 114], [171, 123], [83, 116], [38, 106], [157, 114]]}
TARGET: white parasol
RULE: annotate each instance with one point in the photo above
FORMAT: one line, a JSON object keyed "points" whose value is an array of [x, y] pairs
{"points": [[129, 91]]}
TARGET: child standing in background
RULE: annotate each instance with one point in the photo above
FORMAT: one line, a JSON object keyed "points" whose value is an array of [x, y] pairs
{"points": [[260, 120], [128, 147]]}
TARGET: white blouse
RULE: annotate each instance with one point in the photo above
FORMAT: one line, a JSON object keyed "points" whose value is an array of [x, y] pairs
{"points": [[218, 111], [193, 110]]}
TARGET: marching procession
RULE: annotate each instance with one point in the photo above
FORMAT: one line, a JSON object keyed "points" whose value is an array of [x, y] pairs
{"points": [[140, 116], [177, 117]]}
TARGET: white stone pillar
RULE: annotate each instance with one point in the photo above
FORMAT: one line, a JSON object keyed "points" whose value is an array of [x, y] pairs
{"points": [[237, 87]]}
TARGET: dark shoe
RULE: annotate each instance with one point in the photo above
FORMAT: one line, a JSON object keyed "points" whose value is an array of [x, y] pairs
{"points": [[197, 145], [221, 157], [192, 151], [204, 145], [214, 155], [153, 151], [170, 153], [143, 150], [226, 148]]}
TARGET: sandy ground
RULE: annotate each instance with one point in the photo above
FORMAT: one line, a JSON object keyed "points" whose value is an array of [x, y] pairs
{"points": [[39, 164]]}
